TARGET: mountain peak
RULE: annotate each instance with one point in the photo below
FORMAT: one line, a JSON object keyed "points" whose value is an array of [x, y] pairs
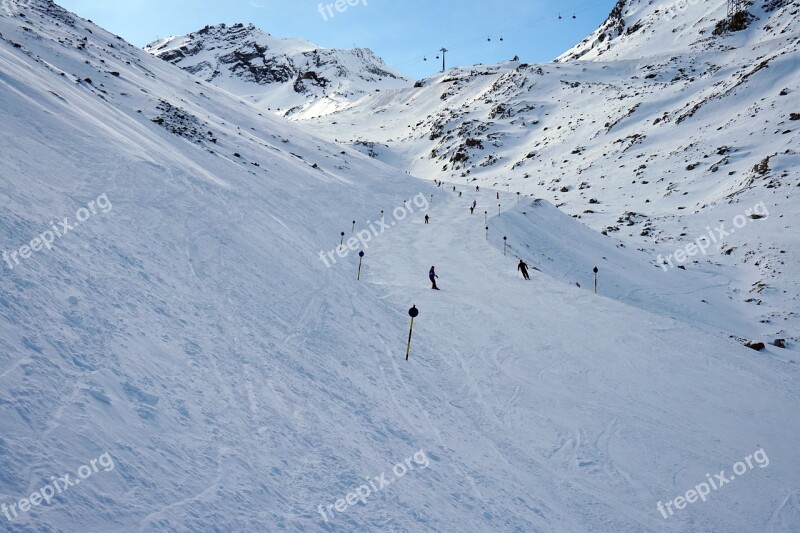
{"points": [[284, 75]]}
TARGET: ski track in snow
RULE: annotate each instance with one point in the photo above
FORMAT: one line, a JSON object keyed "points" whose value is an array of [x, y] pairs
{"points": [[193, 333]]}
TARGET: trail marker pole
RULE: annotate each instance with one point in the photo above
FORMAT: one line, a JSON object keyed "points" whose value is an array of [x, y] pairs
{"points": [[487, 233], [498, 209], [595, 279], [413, 312], [341, 241], [360, 257], [354, 227], [505, 244], [486, 217]]}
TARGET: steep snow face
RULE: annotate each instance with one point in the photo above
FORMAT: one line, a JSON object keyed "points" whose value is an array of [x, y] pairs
{"points": [[282, 75], [637, 28]]}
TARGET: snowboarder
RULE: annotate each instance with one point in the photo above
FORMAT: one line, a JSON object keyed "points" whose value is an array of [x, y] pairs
{"points": [[427, 218], [432, 275], [523, 267]]}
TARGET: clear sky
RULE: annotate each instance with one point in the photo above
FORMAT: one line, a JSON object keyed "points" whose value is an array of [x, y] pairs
{"points": [[402, 32]]}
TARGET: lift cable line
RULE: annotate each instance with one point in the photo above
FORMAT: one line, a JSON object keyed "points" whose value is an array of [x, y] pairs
{"points": [[505, 32]]}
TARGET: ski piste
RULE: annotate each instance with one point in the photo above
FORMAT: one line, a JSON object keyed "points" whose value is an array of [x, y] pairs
{"points": [[181, 359]]}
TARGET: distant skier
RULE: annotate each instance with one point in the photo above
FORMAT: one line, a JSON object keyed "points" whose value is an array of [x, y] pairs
{"points": [[427, 218], [477, 188], [498, 195], [472, 210], [523, 267], [454, 189], [432, 276], [474, 204], [459, 194]]}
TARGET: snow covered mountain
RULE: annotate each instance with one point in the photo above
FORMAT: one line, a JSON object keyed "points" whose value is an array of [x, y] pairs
{"points": [[637, 28], [185, 346], [281, 75], [661, 131]]}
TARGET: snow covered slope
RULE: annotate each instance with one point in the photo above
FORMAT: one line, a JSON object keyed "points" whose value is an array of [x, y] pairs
{"points": [[657, 140], [186, 337], [281, 75], [637, 28]]}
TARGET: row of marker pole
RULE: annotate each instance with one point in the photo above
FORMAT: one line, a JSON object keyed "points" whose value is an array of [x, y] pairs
{"points": [[414, 312]]}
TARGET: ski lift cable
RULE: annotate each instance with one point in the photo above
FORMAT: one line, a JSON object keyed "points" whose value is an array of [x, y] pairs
{"points": [[531, 24], [536, 22]]}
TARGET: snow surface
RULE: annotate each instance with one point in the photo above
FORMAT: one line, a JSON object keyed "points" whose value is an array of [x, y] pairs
{"points": [[193, 333]]}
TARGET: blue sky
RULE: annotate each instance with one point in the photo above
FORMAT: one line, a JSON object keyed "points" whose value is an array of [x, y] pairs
{"points": [[400, 31]]}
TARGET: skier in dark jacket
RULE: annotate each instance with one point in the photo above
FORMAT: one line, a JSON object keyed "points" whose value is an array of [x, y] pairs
{"points": [[523, 267], [432, 275], [427, 218]]}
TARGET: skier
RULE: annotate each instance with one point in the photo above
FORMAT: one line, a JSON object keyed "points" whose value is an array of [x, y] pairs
{"points": [[472, 210], [426, 218], [454, 189], [477, 188], [459, 194], [432, 275], [474, 204], [498, 195], [523, 266]]}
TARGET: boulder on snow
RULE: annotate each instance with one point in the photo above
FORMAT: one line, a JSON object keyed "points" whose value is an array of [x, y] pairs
{"points": [[758, 346], [780, 343]]}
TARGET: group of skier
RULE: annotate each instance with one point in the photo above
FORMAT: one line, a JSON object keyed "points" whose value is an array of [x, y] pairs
{"points": [[522, 266]]}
